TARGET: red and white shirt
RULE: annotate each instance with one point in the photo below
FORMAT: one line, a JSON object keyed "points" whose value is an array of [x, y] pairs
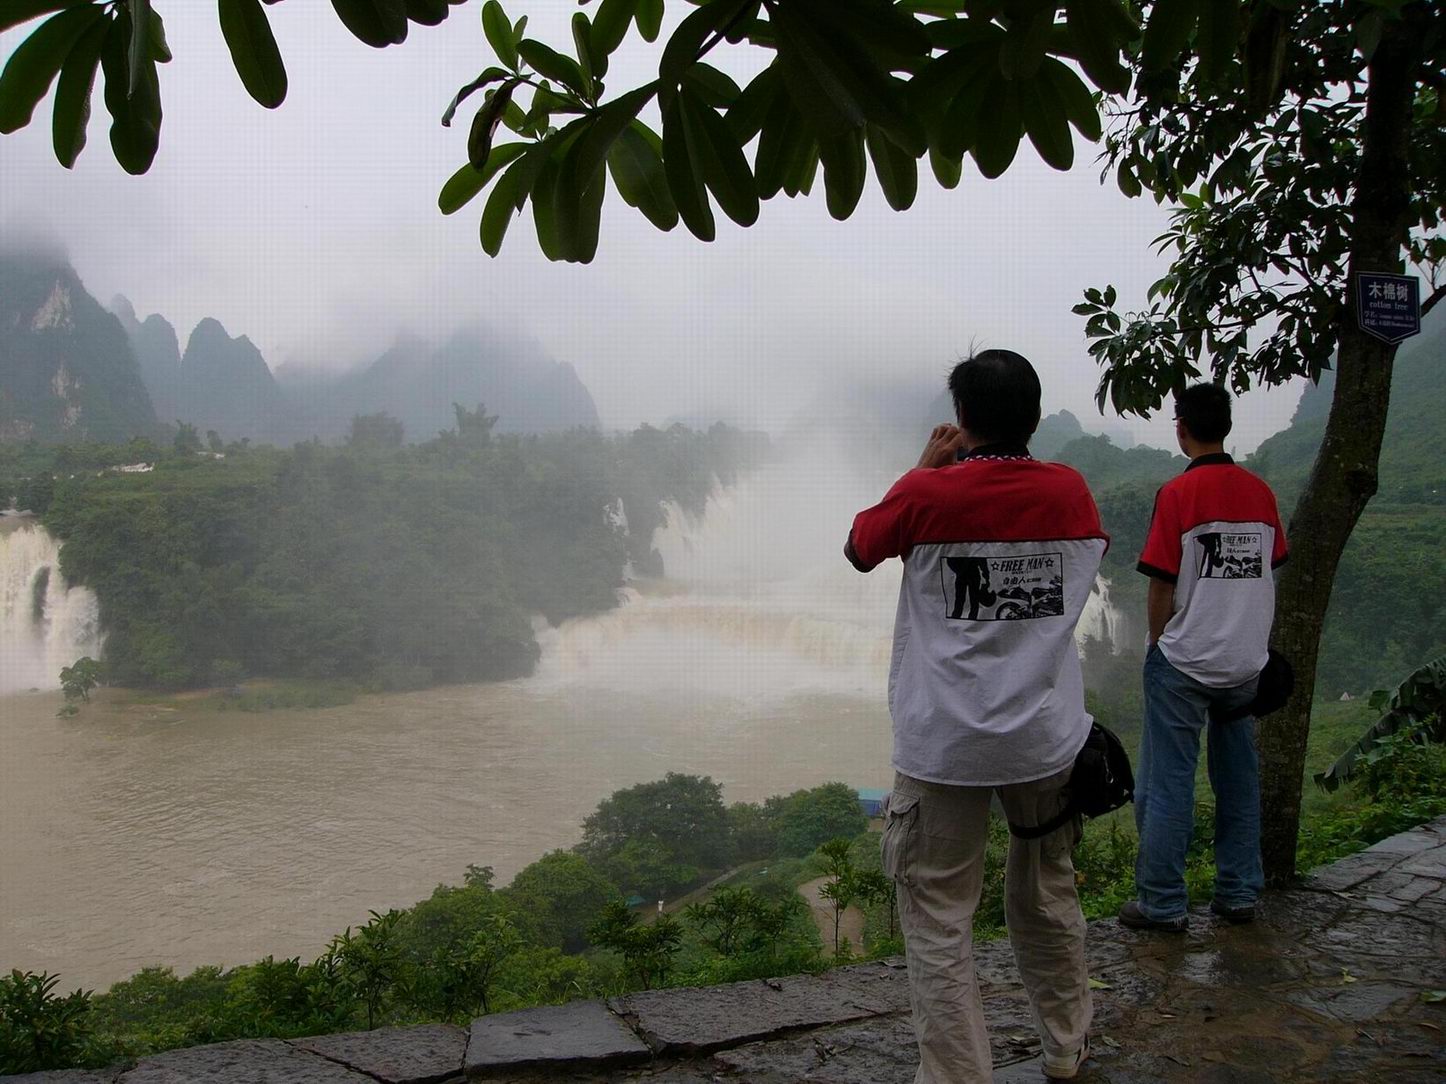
{"points": [[1000, 553], [1216, 535]]}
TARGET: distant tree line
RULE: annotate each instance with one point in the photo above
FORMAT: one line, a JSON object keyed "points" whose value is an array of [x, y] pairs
{"points": [[397, 565]]}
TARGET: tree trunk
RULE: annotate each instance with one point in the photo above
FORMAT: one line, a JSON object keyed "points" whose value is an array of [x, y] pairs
{"points": [[1344, 476]]}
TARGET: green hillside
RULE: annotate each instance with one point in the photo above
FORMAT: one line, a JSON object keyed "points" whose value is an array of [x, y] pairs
{"points": [[1385, 616]]}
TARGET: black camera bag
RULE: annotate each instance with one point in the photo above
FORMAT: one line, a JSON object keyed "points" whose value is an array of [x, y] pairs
{"points": [[1101, 781]]}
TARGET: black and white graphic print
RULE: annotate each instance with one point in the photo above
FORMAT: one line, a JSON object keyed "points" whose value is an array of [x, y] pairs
{"points": [[1013, 588], [1226, 555]]}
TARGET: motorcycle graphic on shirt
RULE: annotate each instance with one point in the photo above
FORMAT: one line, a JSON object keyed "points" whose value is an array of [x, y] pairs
{"points": [[1013, 588], [1226, 555]]}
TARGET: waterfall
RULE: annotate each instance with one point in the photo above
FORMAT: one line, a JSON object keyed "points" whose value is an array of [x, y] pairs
{"points": [[757, 601], [1101, 620], [45, 624]]}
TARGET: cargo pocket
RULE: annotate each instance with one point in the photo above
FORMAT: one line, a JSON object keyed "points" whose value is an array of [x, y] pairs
{"points": [[901, 828]]}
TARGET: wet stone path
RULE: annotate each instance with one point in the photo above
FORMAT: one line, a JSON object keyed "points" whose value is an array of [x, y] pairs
{"points": [[1341, 979]]}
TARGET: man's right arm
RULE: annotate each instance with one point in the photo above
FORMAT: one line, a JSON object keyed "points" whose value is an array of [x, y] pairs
{"points": [[1159, 607], [882, 531]]}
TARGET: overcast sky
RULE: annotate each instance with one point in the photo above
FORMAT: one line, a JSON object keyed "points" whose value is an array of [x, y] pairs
{"points": [[314, 230]]}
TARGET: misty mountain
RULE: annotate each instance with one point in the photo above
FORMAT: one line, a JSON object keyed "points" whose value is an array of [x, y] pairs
{"points": [[67, 369], [225, 385], [417, 383], [158, 351]]}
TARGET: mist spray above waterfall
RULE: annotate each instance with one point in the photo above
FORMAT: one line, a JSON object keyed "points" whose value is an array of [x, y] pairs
{"points": [[45, 624], [757, 601]]}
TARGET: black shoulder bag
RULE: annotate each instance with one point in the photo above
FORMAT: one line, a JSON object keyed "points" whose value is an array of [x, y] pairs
{"points": [[1100, 782], [1272, 690]]}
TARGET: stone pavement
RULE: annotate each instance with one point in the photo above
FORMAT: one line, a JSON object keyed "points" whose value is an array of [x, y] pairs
{"points": [[1337, 980]]}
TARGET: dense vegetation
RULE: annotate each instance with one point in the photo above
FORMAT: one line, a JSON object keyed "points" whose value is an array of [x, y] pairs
{"points": [[396, 565]]}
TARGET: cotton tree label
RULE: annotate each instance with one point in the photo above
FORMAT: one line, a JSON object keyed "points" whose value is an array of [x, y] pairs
{"points": [[1388, 306]]}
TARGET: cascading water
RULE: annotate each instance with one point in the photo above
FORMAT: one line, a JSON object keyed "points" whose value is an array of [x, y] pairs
{"points": [[44, 624], [1101, 620], [758, 601]]}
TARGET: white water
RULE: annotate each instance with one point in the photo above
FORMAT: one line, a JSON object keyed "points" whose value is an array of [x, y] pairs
{"points": [[44, 623]]}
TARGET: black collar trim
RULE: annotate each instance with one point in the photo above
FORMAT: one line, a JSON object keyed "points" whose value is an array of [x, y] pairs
{"points": [[1210, 459]]}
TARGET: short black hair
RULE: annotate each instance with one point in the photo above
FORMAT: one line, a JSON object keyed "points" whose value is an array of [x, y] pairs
{"points": [[1205, 410], [996, 396]]}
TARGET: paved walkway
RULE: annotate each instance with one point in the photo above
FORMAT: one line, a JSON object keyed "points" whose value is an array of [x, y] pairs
{"points": [[1335, 981]]}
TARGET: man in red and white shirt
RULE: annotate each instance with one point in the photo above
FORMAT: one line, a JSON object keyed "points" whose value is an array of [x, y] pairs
{"points": [[1215, 537], [1000, 553]]}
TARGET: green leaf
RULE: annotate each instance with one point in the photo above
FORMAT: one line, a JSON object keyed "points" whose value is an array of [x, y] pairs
{"points": [[681, 52], [1045, 121], [802, 168], [779, 139], [1079, 104], [587, 218], [1024, 46], [947, 171], [1218, 39], [427, 12], [746, 114], [610, 25], [636, 164], [140, 40], [1433, 997], [72, 94], [491, 75], [16, 12], [1000, 128], [897, 170], [959, 129], [1098, 39], [498, 30], [159, 49], [843, 172], [603, 127], [464, 185], [37, 61], [594, 61], [1167, 33], [378, 23], [725, 169], [485, 123], [135, 129], [253, 50], [650, 18], [824, 93], [508, 195], [544, 210], [714, 87], [1128, 183], [685, 173], [554, 65]]}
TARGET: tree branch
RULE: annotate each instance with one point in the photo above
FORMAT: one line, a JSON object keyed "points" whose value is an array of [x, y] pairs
{"points": [[1430, 302]]}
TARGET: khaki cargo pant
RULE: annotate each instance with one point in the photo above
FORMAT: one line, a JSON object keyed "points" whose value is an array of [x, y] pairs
{"points": [[933, 848]]}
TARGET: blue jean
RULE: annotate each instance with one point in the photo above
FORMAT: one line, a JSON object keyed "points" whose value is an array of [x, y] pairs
{"points": [[1177, 711]]}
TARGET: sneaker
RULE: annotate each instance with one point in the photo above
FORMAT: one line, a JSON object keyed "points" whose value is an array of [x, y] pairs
{"points": [[1236, 916], [1136, 919], [1066, 1066]]}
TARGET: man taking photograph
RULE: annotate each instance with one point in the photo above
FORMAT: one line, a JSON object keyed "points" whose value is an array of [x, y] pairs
{"points": [[1000, 552]]}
